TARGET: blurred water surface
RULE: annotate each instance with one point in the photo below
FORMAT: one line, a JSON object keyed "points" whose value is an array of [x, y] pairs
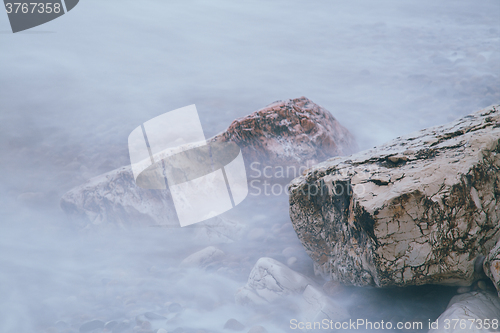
{"points": [[73, 89]]}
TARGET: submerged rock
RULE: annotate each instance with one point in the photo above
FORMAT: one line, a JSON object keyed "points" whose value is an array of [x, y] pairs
{"points": [[474, 312], [91, 325], [317, 307], [417, 210], [234, 325], [203, 258], [114, 199], [295, 132]]}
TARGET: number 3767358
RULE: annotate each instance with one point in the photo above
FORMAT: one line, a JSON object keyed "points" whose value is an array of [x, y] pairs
{"points": [[32, 7]]}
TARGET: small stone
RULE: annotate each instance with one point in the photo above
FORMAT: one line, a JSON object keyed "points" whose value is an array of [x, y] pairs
{"points": [[397, 158], [463, 290], [256, 234], [154, 316], [91, 325], [482, 285], [234, 325], [289, 252], [257, 329], [146, 325], [120, 327], [203, 258], [162, 330], [270, 280], [174, 307], [290, 261], [110, 324], [178, 330]]}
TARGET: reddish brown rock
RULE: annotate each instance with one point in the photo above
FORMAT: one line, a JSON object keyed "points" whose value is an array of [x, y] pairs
{"points": [[293, 132]]}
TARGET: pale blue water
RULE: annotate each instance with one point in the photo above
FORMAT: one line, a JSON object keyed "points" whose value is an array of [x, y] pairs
{"points": [[73, 89]]}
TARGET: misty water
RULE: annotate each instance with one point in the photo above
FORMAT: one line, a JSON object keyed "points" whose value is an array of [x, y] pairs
{"points": [[73, 89]]}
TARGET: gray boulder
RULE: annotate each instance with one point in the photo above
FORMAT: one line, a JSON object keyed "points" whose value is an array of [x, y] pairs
{"points": [[417, 210]]}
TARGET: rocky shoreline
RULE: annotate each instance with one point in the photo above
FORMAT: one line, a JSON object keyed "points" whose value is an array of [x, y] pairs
{"points": [[423, 229]]}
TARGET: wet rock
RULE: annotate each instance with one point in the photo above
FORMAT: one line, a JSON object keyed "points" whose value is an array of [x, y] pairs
{"points": [[318, 307], [291, 261], [474, 306], [174, 307], [333, 288], [203, 258], [121, 326], [110, 324], [492, 266], [219, 230], [234, 325], [91, 325], [257, 329], [295, 132], [113, 199], [366, 219], [154, 316], [269, 280]]}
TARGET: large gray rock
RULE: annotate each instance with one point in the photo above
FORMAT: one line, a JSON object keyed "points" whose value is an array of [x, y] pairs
{"points": [[475, 312], [295, 132], [416, 210]]}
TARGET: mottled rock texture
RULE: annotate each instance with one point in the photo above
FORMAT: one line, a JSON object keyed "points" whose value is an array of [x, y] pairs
{"points": [[293, 132], [416, 210]]}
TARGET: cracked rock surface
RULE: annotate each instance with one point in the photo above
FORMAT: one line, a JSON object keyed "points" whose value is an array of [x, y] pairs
{"points": [[417, 210]]}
